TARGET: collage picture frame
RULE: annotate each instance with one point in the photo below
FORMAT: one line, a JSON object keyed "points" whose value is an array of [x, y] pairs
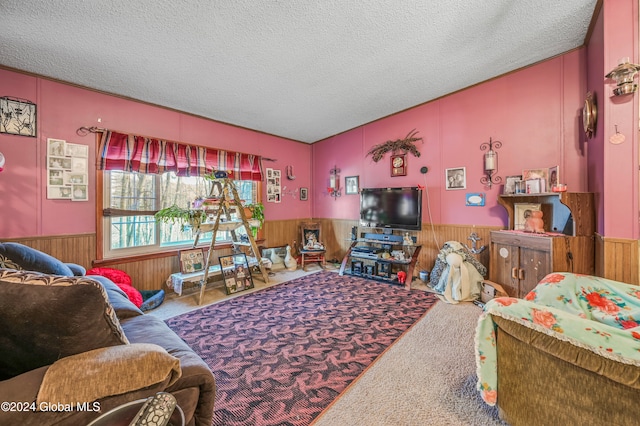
{"points": [[191, 260], [236, 273], [67, 170], [274, 188]]}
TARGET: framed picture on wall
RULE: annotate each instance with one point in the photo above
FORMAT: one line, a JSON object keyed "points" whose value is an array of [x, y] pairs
{"points": [[18, 117], [351, 185], [399, 165], [456, 178]]}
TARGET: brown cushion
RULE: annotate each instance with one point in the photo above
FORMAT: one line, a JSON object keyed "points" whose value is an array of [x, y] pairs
{"points": [[47, 317], [107, 371]]}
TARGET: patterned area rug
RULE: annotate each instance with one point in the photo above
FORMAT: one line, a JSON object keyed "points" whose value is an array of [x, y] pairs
{"points": [[280, 356]]}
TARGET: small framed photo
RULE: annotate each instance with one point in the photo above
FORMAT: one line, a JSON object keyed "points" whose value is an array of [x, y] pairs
{"points": [[351, 185], [510, 184], [79, 192], [528, 174], [554, 177], [475, 199], [79, 164], [56, 147], [236, 272], [71, 178], [520, 213], [56, 177], [456, 178], [534, 186], [399, 165], [58, 192], [304, 194], [58, 163], [76, 150], [191, 260]]}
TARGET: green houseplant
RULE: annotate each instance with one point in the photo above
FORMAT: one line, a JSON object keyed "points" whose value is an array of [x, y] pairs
{"points": [[257, 213], [175, 214]]}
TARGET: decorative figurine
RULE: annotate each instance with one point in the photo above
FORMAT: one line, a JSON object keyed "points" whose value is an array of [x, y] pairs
{"points": [[533, 221], [289, 261]]}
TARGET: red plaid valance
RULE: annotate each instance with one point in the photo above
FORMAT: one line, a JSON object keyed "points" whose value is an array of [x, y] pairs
{"points": [[131, 153]]}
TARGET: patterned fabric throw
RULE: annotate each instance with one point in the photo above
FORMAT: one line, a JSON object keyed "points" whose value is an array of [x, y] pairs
{"points": [[589, 312], [283, 354]]}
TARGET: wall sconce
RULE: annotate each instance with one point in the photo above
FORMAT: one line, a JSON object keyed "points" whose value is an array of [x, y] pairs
{"points": [[334, 182], [490, 163], [624, 74]]}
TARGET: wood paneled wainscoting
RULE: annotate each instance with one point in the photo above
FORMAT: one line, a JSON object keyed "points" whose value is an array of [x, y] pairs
{"points": [[147, 272], [77, 248], [337, 235], [617, 259]]}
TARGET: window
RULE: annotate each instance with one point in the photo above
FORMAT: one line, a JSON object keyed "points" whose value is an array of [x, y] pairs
{"points": [[131, 199]]}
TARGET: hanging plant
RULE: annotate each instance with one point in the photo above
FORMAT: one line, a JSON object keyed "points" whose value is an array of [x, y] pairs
{"points": [[405, 145], [184, 217]]}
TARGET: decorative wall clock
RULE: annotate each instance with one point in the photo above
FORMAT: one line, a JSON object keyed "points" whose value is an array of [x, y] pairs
{"points": [[589, 115], [399, 165]]}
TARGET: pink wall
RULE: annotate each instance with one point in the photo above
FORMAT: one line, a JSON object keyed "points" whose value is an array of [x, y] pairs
{"points": [[534, 112], [62, 109], [619, 162]]}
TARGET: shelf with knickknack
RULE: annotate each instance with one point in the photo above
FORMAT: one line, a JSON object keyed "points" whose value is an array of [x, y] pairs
{"points": [[519, 258], [382, 257]]}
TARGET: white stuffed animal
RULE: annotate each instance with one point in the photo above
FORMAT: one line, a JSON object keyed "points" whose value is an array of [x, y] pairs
{"points": [[460, 281]]}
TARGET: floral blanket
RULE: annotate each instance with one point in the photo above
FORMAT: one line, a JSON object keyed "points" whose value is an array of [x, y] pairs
{"points": [[594, 313]]}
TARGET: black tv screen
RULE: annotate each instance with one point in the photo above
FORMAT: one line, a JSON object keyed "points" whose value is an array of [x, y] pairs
{"points": [[397, 208]]}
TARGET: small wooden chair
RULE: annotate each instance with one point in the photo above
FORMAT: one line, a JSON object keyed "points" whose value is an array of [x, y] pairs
{"points": [[311, 247]]}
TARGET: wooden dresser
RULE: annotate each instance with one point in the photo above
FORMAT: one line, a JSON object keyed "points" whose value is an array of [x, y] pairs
{"points": [[519, 260]]}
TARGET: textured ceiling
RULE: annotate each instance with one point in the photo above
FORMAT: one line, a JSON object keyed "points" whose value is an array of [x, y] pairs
{"points": [[304, 70]]}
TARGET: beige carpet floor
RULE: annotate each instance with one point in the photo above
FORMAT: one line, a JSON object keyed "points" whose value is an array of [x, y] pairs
{"points": [[426, 378]]}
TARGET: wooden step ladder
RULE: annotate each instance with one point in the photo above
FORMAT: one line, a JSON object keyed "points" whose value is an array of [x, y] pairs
{"points": [[228, 200]]}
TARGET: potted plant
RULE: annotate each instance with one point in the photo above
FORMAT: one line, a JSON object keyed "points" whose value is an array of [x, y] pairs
{"points": [[257, 214], [173, 214]]}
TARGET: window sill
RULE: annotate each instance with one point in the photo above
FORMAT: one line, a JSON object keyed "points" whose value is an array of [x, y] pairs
{"points": [[157, 255]]}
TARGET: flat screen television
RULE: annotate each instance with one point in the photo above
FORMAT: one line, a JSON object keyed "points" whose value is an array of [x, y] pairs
{"points": [[395, 208]]}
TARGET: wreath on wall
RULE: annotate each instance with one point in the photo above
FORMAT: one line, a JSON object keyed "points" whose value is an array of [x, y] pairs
{"points": [[405, 145]]}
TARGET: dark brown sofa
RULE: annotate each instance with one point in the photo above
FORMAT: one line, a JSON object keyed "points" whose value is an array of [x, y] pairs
{"points": [[48, 319]]}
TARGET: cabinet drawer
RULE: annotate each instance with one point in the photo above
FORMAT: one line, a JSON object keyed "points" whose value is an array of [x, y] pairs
{"points": [[520, 239]]}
